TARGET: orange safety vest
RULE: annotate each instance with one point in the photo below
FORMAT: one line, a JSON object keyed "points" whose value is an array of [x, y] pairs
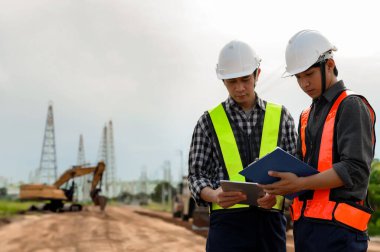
{"points": [[353, 215]]}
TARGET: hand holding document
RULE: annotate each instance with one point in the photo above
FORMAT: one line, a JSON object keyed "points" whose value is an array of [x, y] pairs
{"points": [[252, 191], [279, 161]]}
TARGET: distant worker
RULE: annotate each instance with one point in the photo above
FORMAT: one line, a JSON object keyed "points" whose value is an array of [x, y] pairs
{"points": [[337, 137], [228, 138]]}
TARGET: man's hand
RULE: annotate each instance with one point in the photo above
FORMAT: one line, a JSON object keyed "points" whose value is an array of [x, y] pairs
{"points": [[288, 183], [227, 199], [267, 201]]}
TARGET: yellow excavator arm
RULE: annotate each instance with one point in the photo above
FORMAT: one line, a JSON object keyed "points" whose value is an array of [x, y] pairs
{"points": [[94, 193], [98, 173], [71, 173]]}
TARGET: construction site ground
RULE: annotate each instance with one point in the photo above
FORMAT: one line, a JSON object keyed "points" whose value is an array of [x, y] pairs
{"points": [[119, 228]]}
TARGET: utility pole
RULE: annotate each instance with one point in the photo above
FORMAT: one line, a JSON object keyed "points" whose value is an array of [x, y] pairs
{"points": [[167, 186], [143, 190], [163, 193], [169, 182], [181, 164]]}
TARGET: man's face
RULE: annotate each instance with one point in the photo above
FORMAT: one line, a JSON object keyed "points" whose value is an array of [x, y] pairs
{"points": [[242, 90], [310, 81]]}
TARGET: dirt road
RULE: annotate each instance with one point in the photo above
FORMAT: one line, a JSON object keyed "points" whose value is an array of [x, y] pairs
{"points": [[120, 228]]}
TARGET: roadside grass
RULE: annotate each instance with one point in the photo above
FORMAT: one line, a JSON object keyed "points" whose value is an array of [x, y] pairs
{"points": [[158, 206], [11, 207]]}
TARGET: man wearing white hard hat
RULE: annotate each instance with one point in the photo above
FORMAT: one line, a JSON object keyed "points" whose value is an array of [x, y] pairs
{"points": [[225, 140], [336, 137]]}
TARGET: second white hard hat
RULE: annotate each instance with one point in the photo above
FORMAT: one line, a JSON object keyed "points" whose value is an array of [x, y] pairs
{"points": [[304, 49], [236, 59]]}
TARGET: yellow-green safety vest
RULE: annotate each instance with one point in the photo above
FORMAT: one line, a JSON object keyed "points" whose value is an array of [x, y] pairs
{"points": [[229, 148]]}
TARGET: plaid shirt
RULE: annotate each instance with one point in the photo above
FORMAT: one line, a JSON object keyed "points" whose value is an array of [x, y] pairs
{"points": [[205, 168]]}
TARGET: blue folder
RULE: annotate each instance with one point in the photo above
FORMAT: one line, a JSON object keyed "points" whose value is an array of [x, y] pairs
{"points": [[277, 160]]}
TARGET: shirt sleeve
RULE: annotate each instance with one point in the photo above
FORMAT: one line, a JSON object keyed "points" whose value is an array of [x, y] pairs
{"points": [[289, 133], [354, 144], [200, 159]]}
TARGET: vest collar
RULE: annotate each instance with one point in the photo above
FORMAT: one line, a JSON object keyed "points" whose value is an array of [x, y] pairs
{"points": [[333, 91]]}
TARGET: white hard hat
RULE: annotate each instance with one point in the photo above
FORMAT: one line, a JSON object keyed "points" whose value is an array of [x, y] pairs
{"points": [[236, 59], [304, 49]]}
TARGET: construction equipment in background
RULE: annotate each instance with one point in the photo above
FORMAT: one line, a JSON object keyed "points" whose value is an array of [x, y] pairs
{"points": [[57, 195], [184, 207]]}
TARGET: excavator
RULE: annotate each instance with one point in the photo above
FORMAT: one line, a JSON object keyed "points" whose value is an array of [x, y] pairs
{"points": [[57, 195]]}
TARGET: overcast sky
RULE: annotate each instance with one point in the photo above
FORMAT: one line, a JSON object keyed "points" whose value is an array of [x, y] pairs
{"points": [[149, 66]]}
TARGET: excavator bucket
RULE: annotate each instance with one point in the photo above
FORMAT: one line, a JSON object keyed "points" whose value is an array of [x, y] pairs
{"points": [[99, 200], [102, 202]]}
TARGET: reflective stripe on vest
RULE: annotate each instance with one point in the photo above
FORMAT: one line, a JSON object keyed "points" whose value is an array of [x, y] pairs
{"points": [[229, 148], [320, 207]]}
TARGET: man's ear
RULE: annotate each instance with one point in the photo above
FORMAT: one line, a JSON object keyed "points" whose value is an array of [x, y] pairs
{"points": [[330, 63], [257, 73]]}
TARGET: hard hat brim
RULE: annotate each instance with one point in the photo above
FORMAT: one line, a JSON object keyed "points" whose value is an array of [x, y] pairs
{"points": [[304, 68], [234, 75], [286, 74], [292, 73]]}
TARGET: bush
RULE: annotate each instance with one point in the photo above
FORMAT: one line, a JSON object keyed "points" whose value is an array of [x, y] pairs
{"points": [[374, 198], [373, 229]]}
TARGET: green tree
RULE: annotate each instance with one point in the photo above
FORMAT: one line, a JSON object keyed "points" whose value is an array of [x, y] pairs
{"points": [[3, 192], [157, 193], [124, 197], [374, 198], [374, 185]]}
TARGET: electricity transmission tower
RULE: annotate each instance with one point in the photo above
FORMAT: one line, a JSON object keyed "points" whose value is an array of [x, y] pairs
{"points": [[81, 160], [47, 171], [84, 183], [107, 154], [111, 176]]}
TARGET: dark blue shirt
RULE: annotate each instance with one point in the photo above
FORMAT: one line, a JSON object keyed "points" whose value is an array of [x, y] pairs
{"points": [[353, 147]]}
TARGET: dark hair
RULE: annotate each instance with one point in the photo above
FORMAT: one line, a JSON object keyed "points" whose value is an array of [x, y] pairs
{"points": [[255, 72], [336, 71], [318, 64]]}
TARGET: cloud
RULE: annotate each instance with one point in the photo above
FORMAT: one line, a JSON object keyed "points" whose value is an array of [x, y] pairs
{"points": [[148, 66]]}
